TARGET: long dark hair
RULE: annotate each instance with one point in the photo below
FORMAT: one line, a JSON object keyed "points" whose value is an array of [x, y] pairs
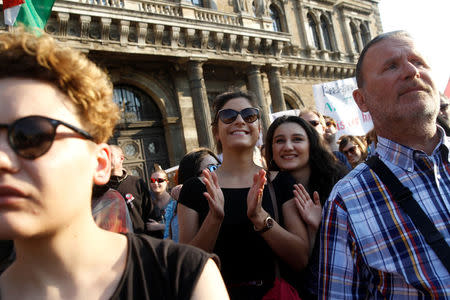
{"points": [[326, 170], [190, 163]]}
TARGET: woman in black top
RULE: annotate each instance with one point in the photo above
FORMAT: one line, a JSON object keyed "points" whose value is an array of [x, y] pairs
{"points": [[294, 148], [57, 113], [228, 212]]}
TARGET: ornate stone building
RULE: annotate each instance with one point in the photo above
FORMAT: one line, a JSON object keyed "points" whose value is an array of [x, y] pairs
{"points": [[169, 59]]}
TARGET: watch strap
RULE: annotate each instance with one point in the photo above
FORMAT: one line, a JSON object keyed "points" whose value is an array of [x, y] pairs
{"points": [[266, 226]]}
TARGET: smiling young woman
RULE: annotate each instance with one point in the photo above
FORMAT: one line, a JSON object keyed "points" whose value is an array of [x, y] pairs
{"points": [[297, 155], [229, 211]]}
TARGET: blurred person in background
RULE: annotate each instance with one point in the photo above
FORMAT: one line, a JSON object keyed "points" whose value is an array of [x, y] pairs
{"points": [[191, 165], [109, 210], [353, 148], [159, 183], [443, 118], [136, 194], [315, 118], [371, 142], [330, 137]]}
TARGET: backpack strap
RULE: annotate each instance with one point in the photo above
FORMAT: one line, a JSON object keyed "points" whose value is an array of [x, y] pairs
{"points": [[403, 196]]}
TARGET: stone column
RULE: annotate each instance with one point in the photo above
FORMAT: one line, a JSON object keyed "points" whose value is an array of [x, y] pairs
{"points": [[276, 91], [256, 86], [202, 112]]}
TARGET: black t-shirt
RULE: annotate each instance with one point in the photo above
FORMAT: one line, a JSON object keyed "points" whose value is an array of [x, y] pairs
{"points": [[244, 254], [159, 269], [138, 199]]}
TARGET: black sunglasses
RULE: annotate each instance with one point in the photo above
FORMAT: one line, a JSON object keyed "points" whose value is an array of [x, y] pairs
{"points": [[32, 136], [159, 180], [229, 115]]}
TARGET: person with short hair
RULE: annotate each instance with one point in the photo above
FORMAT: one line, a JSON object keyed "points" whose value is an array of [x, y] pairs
{"points": [[315, 118], [371, 246], [57, 113], [136, 194]]}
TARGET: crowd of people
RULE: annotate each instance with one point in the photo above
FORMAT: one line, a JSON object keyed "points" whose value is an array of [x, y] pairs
{"points": [[313, 215]]}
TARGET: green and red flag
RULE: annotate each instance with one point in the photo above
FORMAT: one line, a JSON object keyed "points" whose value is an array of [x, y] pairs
{"points": [[31, 13]]}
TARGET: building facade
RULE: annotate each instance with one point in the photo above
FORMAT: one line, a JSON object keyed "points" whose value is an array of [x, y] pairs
{"points": [[169, 59]]}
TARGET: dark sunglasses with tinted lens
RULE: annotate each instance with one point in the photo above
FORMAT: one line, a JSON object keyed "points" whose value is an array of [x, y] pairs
{"points": [[32, 136], [158, 180], [229, 115]]}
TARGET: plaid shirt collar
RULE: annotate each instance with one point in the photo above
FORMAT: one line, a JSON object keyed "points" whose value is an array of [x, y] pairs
{"points": [[403, 156]]}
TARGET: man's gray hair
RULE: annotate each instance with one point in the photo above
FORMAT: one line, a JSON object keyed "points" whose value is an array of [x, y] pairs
{"points": [[376, 40]]}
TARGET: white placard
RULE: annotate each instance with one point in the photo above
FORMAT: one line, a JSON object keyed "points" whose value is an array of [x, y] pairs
{"points": [[335, 99], [292, 112]]}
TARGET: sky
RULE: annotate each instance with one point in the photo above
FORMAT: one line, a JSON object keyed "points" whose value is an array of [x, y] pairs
{"points": [[428, 22]]}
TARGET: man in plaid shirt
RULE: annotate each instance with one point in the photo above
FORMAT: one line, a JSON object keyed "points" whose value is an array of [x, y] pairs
{"points": [[370, 248]]}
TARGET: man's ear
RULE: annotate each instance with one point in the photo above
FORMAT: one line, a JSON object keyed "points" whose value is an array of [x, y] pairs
{"points": [[103, 170], [360, 100]]}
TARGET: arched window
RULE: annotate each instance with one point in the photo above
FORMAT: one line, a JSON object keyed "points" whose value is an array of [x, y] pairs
{"points": [[355, 37], [275, 16], [197, 2], [135, 105], [313, 30], [325, 33], [365, 35]]}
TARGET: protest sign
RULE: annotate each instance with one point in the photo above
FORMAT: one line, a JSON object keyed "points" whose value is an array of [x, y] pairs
{"points": [[335, 99]]}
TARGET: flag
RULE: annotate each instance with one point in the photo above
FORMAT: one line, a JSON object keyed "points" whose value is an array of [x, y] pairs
{"points": [[447, 89], [32, 13]]}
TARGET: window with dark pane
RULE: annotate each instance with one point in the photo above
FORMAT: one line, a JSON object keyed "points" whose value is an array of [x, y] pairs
{"points": [[313, 30], [325, 33], [275, 16], [135, 105], [354, 37], [365, 35], [197, 2], [288, 105]]}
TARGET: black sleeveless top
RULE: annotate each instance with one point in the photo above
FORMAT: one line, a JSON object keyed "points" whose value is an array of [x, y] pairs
{"points": [[244, 254]]}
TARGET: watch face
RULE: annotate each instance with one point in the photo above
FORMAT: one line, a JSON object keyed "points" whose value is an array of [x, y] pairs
{"points": [[269, 223]]}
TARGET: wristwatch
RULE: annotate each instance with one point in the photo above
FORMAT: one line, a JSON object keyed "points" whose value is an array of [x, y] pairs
{"points": [[268, 223]]}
